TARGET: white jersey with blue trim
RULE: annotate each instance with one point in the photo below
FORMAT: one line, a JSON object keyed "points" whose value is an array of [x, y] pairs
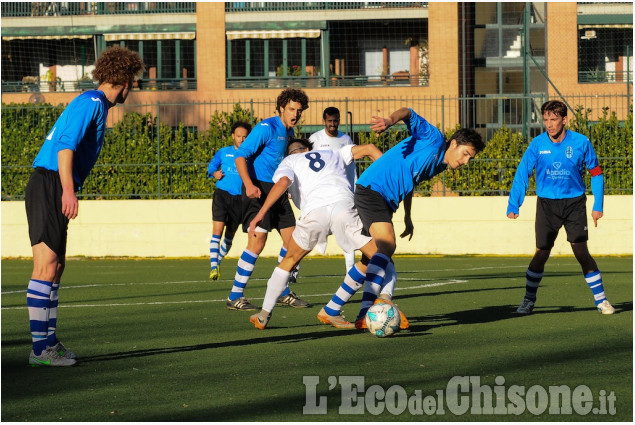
{"points": [[225, 160], [559, 168], [80, 128], [416, 158], [321, 140], [319, 177]]}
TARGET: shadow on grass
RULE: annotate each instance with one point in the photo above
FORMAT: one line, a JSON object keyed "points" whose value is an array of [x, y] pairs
{"points": [[422, 324], [213, 345]]}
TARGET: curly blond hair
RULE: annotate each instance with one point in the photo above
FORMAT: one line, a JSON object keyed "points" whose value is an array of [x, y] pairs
{"points": [[118, 65]]}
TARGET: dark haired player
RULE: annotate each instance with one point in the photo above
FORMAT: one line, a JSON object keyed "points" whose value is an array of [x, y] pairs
{"points": [[559, 157], [324, 196], [256, 161], [392, 178], [227, 202]]}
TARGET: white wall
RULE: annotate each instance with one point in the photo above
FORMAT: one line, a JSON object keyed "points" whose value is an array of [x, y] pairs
{"points": [[182, 228]]}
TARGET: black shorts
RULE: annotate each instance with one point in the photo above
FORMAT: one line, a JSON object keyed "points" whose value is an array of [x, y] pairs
{"points": [[43, 202], [280, 215], [552, 214], [228, 209], [371, 207]]}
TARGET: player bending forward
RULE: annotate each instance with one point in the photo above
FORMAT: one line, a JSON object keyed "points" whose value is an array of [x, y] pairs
{"points": [[327, 208]]}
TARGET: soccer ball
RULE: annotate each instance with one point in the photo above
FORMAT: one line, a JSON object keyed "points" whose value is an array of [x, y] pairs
{"points": [[382, 319]]}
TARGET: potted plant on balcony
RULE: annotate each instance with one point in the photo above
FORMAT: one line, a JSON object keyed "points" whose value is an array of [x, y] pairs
{"points": [[30, 84], [85, 83]]}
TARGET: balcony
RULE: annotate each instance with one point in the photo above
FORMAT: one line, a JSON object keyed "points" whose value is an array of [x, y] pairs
{"points": [[15, 9], [394, 80], [299, 6]]}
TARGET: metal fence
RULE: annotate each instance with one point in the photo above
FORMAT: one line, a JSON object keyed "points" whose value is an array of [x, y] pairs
{"points": [[18, 9], [262, 6], [163, 153]]}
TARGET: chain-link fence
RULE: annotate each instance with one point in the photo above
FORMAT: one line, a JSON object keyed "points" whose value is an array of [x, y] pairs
{"points": [[161, 151]]}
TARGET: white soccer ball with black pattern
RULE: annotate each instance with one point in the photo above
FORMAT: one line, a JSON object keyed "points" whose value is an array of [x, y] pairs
{"points": [[382, 319]]}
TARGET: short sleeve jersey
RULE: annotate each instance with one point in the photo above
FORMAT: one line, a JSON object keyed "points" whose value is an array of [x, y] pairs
{"points": [[80, 128], [224, 159], [322, 141], [414, 159], [265, 147], [320, 176], [559, 168]]}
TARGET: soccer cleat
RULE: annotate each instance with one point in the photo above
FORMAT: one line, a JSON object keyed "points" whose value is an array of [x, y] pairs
{"points": [[292, 300], [293, 276], [360, 323], [404, 323], [258, 322], [605, 307], [526, 307], [214, 274], [62, 351], [241, 303], [337, 321], [50, 357]]}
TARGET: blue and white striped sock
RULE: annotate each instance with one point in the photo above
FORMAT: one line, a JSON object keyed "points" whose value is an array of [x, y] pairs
{"points": [[38, 301], [594, 280], [224, 248], [532, 281], [51, 338], [353, 281], [283, 252], [375, 274], [244, 270], [213, 251]]}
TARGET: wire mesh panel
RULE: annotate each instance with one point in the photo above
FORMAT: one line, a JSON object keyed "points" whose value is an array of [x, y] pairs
{"points": [[161, 151]]}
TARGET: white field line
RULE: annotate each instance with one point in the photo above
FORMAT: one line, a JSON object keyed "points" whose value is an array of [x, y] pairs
{"points": [[425, 285], [22, 291]]}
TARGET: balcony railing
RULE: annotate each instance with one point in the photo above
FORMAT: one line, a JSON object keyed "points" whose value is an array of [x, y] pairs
{"points": [[605, 76], [19, 9], [261, 6], [80, 85], [398, 79]]}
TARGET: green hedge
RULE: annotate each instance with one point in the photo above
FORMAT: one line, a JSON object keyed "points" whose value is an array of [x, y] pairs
{"points": [[144, 159]]}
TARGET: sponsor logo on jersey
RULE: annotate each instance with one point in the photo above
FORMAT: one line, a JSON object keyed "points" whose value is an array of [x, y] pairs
{"points": [[568, 152], [95, 99], [50, 136], [265, 124], [544, 152], [557, 173]]}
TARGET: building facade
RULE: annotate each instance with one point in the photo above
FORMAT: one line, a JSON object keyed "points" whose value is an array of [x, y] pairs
{"points": [[482, 65]]}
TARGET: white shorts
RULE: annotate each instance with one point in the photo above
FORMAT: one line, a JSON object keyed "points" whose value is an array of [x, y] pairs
{"points": [[340, 219]]}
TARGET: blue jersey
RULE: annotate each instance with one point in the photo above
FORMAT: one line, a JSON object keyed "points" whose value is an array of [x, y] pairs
{"points": [[416, 158], [81, 129], [224, 159], [559, 170], [264, 148]]}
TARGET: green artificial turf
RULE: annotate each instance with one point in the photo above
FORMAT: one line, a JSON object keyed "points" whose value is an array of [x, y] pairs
{"points": [[156, 343]]}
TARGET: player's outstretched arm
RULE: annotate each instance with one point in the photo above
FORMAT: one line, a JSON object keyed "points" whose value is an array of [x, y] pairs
{"points": [[379, 124], [275, 193], [369, 150]]}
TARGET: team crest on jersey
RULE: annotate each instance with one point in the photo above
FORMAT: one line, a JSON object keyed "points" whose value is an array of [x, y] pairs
{"points": [[568, 152]]}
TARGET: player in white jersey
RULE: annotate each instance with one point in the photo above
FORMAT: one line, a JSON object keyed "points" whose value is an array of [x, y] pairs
{"points": [[332, 139], [326, 208]]}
